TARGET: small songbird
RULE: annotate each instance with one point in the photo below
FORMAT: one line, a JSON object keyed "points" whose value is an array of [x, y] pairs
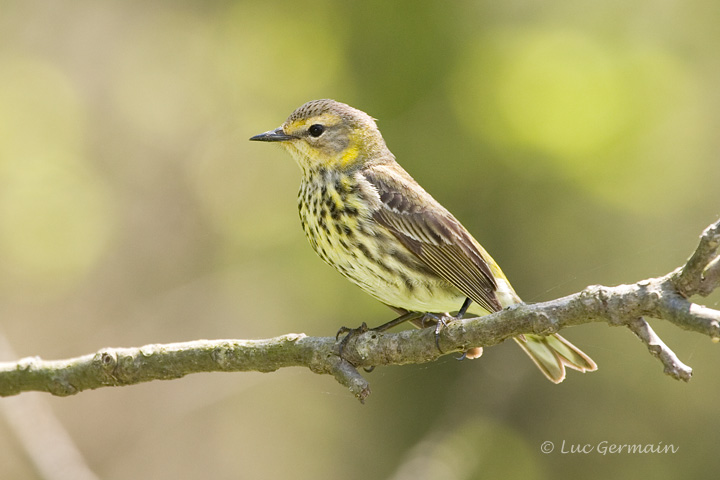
{"points": [[367, 217]]}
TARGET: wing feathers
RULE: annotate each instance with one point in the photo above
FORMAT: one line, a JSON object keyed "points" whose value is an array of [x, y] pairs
{"points": [[434, 236]]}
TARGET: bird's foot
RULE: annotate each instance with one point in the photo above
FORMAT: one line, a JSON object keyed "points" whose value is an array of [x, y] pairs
{"points": [[440, 322], [349, 333], [352, 332]]}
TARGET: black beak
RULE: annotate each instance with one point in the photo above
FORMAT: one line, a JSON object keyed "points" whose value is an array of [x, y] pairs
{"points": [[276, 135]]}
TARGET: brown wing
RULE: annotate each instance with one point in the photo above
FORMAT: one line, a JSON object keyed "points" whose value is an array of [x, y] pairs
{"points": [[434, 235]]}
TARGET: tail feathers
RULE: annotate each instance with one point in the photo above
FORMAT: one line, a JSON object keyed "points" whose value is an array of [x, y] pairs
{"points": [[552, 353]]}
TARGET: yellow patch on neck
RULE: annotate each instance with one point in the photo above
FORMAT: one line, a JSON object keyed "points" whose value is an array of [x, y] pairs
{"points": [[349, 155], [352, 152]]}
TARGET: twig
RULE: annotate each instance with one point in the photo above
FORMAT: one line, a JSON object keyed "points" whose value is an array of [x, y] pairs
{"points": [[699, 275], [623, 305], [673, 366]]}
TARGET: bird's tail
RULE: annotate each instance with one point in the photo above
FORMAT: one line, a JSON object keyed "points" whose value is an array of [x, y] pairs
{"points": [[552, 353]]}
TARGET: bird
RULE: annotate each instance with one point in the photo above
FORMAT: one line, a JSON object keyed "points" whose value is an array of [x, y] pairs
{"points": [[364, 215]]}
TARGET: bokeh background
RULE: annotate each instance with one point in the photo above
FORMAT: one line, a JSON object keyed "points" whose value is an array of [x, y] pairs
{"points": [[577, 140]]}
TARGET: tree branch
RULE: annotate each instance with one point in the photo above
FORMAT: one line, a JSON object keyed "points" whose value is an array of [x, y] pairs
{"points": [[623, 305]]}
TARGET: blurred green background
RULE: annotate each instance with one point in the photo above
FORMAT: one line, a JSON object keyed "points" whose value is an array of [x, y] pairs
{"points": [[578, 141]]}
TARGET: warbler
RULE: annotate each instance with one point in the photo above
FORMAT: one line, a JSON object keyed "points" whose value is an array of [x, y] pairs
{"points": [[367, 217]]}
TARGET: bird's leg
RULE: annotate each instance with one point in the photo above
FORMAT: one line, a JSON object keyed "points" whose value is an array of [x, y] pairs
{"points": [[463, 310], [351, 332], [399, 320], [461, 314], [385, 326], [425, 318]]}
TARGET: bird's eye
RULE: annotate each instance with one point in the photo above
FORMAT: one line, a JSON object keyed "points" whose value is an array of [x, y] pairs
{"points": [[316, 130]]}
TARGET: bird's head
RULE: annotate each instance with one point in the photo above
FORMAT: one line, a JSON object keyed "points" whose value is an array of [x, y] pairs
{"points": [[329, 134]]}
